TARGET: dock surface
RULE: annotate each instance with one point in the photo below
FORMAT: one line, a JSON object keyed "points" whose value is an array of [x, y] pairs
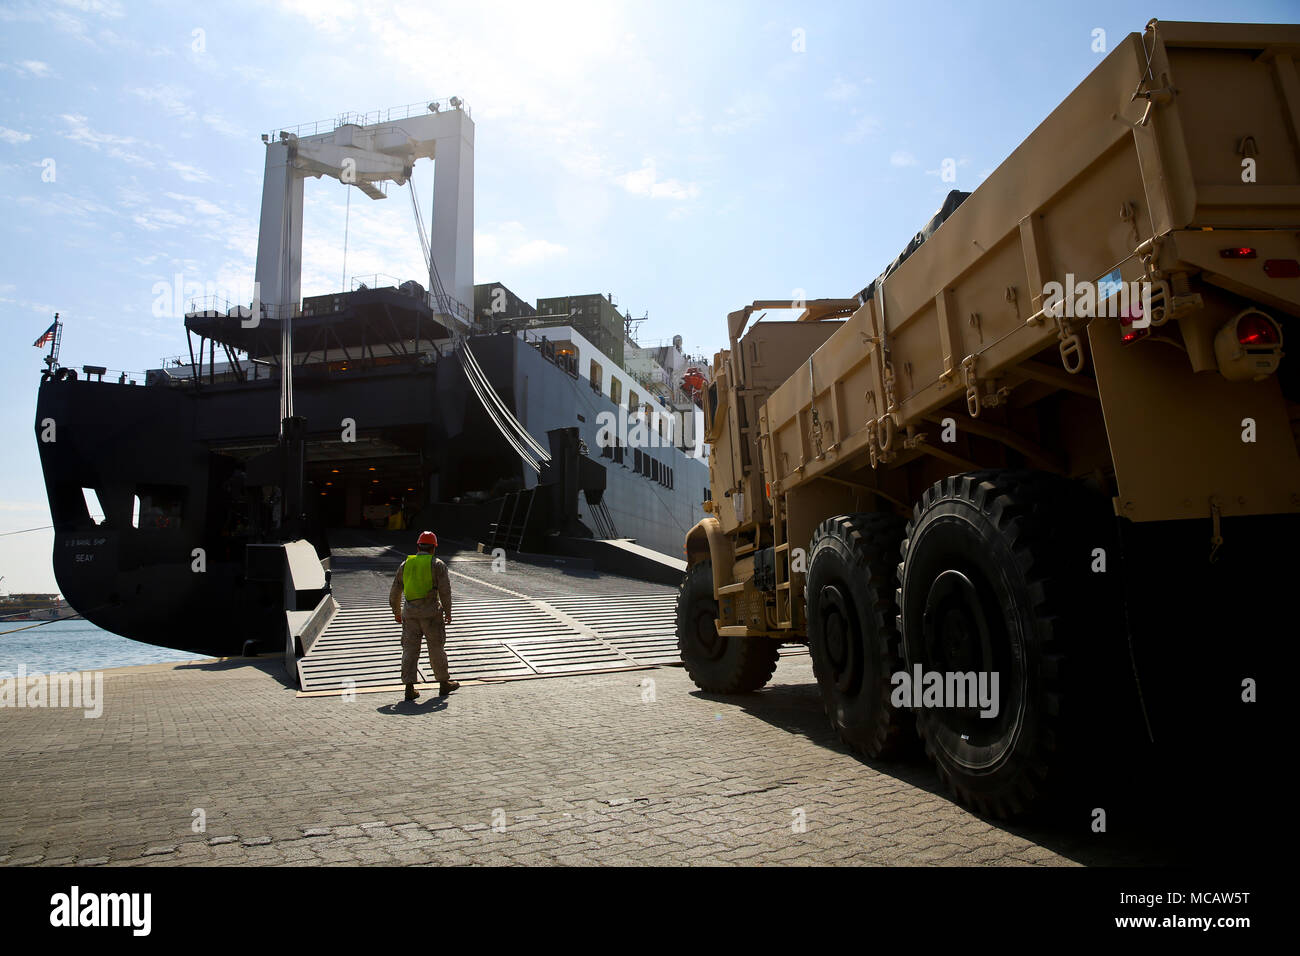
{"points": [[227, 763]]}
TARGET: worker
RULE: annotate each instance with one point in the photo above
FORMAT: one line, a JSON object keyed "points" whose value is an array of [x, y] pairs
{"points": [[423, 581]]}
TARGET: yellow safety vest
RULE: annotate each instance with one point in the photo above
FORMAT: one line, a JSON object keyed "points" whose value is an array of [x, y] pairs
{"points": [[417, 576]]}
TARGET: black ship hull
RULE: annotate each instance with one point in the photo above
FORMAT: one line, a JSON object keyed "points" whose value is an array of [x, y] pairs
{"points": [[179, 469]]}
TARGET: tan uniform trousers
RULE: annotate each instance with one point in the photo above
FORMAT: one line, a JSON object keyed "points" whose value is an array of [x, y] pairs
{"points": [[415, 630]]}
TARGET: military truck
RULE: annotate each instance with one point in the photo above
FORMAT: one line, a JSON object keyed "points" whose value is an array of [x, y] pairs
{"points": [[1055, 441]]}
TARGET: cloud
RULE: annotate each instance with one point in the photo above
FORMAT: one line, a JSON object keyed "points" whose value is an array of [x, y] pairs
{"points": [[508, 245], [862, 127], [104, 8], [191, 174], [645, 182], [842, 90], [742, 114], [200, 205], [110, 143], [63, 21], [328, 16], [34, 68], [175, 101], [172, 100], [62, 202], [901, 157], [154, 219], [223, 125], [13, 136]]}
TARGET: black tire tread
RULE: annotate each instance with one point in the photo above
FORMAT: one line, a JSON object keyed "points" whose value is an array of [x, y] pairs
{"points": [[874, 539], [1029, 509], [755, 658]]}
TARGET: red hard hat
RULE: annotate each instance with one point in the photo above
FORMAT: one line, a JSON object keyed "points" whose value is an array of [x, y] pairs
{"points": [[428, 538]]}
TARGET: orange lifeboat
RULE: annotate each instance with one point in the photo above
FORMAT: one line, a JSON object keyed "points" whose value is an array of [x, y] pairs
{"points": [[693, 383]]}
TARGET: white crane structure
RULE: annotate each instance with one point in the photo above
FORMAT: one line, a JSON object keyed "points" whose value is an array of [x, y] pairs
{"points": [[368, 154]]}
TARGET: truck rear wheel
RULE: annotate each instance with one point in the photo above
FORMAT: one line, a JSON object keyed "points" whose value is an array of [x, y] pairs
{"points": [[852, 629], [717, 664], [997, 577]]}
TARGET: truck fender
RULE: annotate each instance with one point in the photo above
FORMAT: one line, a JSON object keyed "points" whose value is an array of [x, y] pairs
{"points": [[708, 541]]}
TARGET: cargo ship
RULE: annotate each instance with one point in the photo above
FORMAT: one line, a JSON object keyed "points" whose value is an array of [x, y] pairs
{"points": [[192, 505]]}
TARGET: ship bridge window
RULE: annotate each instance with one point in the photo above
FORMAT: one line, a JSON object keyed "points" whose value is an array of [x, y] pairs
{"points": [[158, 507], [616, 391], [597, 376], [632, 400]]}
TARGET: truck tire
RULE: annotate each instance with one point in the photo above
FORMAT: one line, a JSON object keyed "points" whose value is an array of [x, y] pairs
{"points": [[717, 664], [997, 576], [852, 630]]}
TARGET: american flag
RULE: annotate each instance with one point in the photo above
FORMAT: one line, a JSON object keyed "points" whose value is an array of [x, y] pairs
{"points": [[47, 336]]}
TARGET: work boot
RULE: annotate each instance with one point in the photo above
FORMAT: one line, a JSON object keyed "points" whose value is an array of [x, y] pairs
{"points": [[447, 686], [411, 692]]}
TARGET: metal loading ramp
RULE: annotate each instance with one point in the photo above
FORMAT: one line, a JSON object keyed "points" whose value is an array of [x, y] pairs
{"points": [[535, 621], [509, 638]]}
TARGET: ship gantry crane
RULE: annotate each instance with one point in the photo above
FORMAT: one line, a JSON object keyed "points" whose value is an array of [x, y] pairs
{"points": [[367, 155]]}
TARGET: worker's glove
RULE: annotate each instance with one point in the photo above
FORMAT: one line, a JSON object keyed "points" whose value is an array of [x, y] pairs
{"points": [[397, 616], [446, 616]]}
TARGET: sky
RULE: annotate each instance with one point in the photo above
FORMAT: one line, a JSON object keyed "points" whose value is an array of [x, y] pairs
{"points": [[687, 157]]}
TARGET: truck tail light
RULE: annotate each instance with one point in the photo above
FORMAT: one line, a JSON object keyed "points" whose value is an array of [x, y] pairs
{"points": [[1238, 252], [1128, 333], [1281, 268], [1253, 329], [1248, 347]]}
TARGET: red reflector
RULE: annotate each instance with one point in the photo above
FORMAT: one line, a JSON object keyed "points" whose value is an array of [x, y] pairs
{"points": [[1256, 330], [1238, 252], [1281, 268], [1134, 334]]}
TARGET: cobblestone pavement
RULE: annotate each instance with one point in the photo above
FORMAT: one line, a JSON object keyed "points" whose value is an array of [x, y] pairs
{"points": [[602, 769]]}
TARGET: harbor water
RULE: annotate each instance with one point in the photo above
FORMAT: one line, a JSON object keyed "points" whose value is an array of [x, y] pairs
{"points": [[75, 645]]}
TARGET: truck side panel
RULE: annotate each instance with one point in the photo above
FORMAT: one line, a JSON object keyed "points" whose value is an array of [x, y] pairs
{"points": [[1086, 196]]}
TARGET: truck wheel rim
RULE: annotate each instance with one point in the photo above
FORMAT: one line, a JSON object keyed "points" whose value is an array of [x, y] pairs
{"points": [[954, 623], [963, 632], [841, 647]]}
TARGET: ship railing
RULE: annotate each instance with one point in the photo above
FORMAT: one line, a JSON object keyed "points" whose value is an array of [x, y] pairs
{"points": [[210, 305], [217, 306], [372, 281], [392, 114], [439, 304], [102, 374]]}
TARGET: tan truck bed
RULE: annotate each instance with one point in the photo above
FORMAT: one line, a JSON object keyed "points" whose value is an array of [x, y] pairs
{"points": [[1107, 182]]}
